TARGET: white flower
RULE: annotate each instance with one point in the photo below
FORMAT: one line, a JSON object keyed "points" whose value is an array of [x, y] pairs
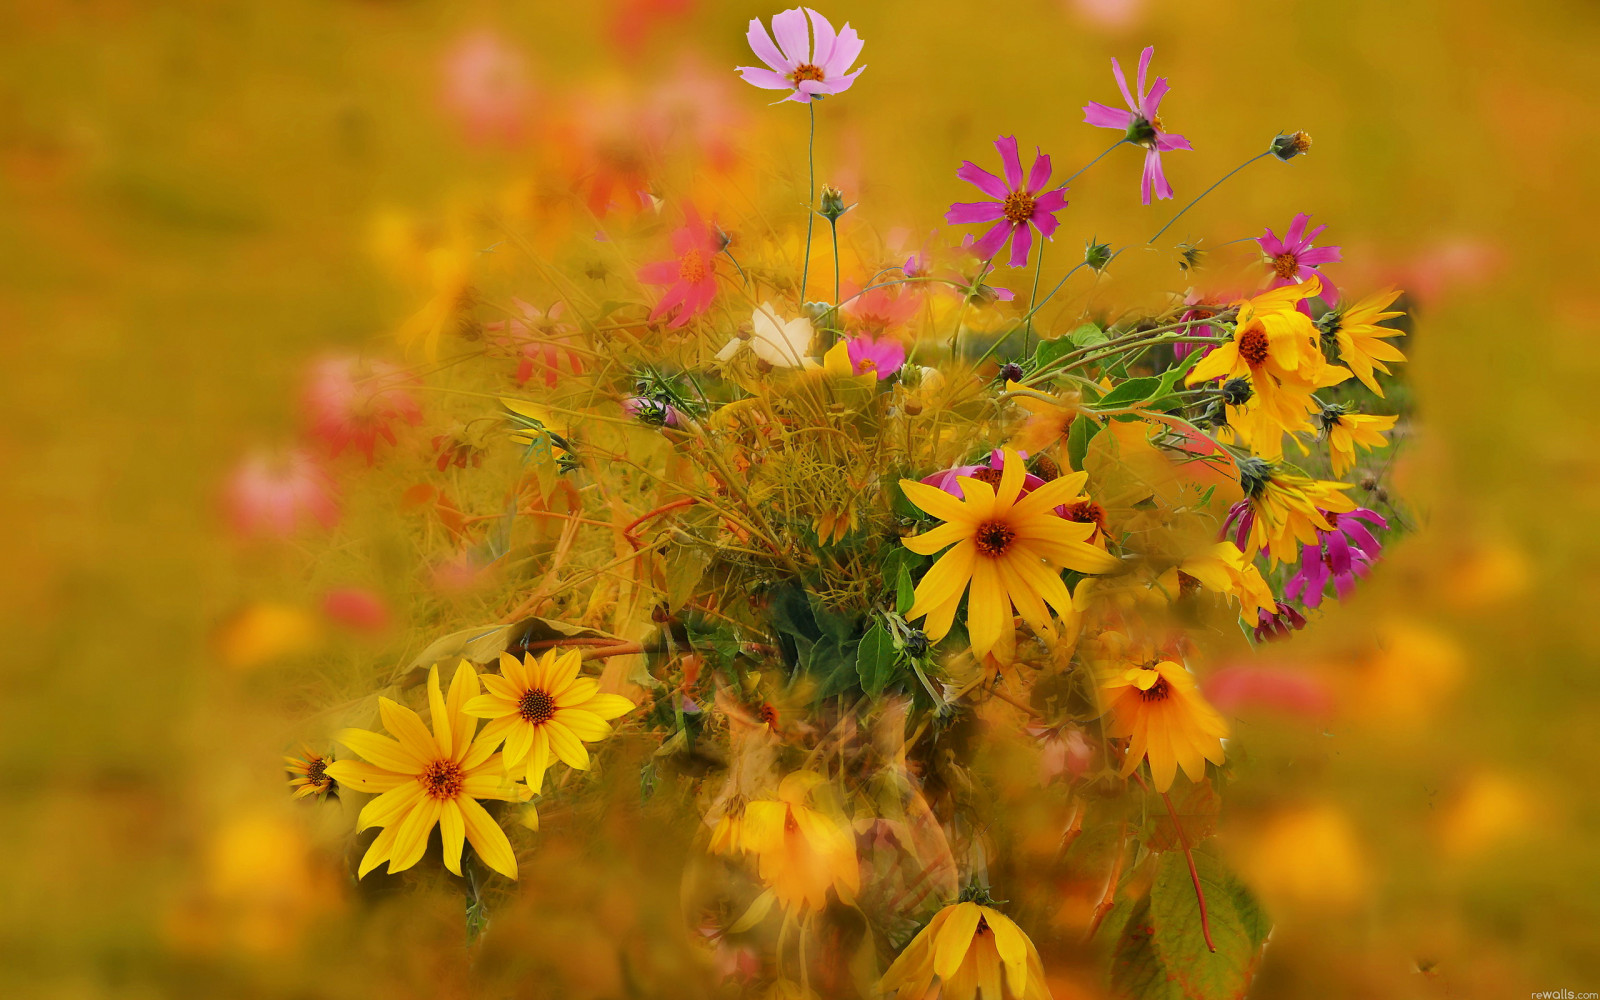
{"points": [[781, 344]]}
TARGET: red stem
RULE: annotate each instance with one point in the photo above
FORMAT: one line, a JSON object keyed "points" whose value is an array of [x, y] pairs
{"points": [[1194, 875], [627, 532]]}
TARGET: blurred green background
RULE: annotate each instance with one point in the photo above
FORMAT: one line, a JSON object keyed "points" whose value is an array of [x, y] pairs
{"points": [[187, 192]]}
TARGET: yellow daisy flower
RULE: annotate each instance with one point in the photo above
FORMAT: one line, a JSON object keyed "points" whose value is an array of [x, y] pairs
{"points": [[1224, 569], [542, 707], [801, 850], [425, 778], [974, 950], [1011, 551], [310, 773], [1360, 337], [1282, 510], [1346, 431], [1159, 708]]}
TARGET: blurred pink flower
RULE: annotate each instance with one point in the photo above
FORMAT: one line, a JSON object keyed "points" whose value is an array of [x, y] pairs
{"points": [[1278, 688], [1293, 259], [810, 61], [541, 340], [351, 403], [634, 21], [1109, 13], [1201, 307], [880, 357], [691, 276], [273, 494], [1141, 124], [486, 87], [357, 608], [882, 308], [1019, 208]]}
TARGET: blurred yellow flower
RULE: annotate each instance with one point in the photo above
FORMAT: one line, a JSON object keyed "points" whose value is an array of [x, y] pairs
{"points": [[542, 707], [802, 851], [1307, 856], [1159, 708], [1010, 550], [1224, 569], [425, 779], [310, 773], [974, 950]]}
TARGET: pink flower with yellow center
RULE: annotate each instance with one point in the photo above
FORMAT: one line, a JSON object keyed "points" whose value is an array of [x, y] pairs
{"points": [[1018, 208], [1294, 259], [877, 357], [690, 276], [810, 59], [1141, 124]]}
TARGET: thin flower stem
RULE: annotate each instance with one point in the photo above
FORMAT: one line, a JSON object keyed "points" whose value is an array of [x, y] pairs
{"points": [[1051, 294], [1092, 162], [1202, 194], [1194, 874], [834, 225], [1033, 297], [745, 278], [811, 197]]}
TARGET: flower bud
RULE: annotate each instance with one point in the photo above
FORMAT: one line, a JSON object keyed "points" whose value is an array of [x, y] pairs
{"points": [[1010, 372], [1097, 255], [1141, 131], [1237, 391], [833, 204], [1288, 145]]}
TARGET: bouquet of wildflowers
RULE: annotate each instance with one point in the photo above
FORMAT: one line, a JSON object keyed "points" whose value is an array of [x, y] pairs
{"points": [[876, 574]]}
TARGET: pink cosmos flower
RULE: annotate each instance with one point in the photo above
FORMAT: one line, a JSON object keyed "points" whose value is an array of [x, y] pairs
{"points": [[1201, 307], [691, 276], [351, 403], [357, 608], [486, 87], [880, 309], [811, 61], [1141, 124], [1340, 556], [1019, 208], [950, 479], [881, 357], [541, 339], [272, 495], [1294, 259]]}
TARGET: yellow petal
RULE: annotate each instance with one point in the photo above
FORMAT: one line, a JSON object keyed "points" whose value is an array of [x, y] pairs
{"points": [[406, 726], [488, 839], [378, 851], [452, 835], [382, 751], [412, 839], [934, 501], [1012, 946], [363, 777], [955, 937], [390, 807], [566, 745], [946, 578]]}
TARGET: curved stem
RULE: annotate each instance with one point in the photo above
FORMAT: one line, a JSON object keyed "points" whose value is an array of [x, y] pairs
{"points": [[1092, 162], [1202, 194], [1194, 875], [811, 197]]}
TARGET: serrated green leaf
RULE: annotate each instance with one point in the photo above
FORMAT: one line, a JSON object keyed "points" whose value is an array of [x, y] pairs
{"points": [[875, 659], [1136, 970], [1238, 928]]}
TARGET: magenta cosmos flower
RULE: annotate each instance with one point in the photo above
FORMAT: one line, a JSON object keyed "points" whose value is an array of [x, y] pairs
{"points": [[691, 274], [1017, 210], [810, 60], [1339, 557], [1294, 259], [1141, 124], [879, 357]]}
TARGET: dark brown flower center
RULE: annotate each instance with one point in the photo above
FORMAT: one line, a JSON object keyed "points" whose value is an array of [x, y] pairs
{"points": [[317, 772], [692, 267], [1087, 512], [1019, 207], [536, 706], [806, 71], [993, 538], [1157, 691], [442, 779], [768, 715], [1253, 345], [1287, 265], [1188, 586], [990, 476]]}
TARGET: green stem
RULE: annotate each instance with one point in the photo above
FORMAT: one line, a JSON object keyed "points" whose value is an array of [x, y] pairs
{"points": [[1092, 162], [834, 224], [811, 197], [1202, 194], [1027, 332]]}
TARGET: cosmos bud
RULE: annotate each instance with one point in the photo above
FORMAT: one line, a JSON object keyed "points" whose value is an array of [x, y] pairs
{"points": [[833, 204], [1097, 255], [1288, 145]]}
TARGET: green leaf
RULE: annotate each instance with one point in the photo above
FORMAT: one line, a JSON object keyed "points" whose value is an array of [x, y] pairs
{"points": [[1135, 390], [1162, 951], [833, 664], [904, 594], [1078, 437], [1088, 335], [1050, 351], [875, 659], [686, 564]]}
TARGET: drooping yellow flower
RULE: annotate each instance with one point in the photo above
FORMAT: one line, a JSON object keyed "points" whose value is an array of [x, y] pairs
{"points": [[1224, 569], [310, 773], [1360, 337], [1346, 431], [1159, 708], [1011, 551], [426, 778], [1283, 510], [1047, 423], [974, 950], [1276, 347], [542, 707], [802, 851]]}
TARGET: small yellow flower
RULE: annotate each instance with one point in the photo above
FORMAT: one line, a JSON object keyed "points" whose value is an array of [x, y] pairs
{"points": [[802, 851], [1159, 708], [1010, 550], [310, 773], [1346, 431], [1362, 339], [425, 779], [1286, 509], [974, 950], [542, 707], [1224, 569]]}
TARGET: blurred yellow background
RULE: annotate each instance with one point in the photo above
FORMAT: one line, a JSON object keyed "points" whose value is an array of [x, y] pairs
{"points": [[188, 194]]}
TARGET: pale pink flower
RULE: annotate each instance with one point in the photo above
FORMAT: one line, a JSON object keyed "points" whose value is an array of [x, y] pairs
{"points": [[274, 495], [486, 87], [350, 403], [1141, 124], [880, 357], [357, 608], [810, 61]]}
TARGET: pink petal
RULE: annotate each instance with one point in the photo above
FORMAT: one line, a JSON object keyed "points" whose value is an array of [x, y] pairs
{"points": [[761, 45], [793, 34], [1144, 64], [1122, 84], [964, 212], [1039, 176], [766, 79], [984, 181], [1046, 222], [660, 273], [1167, 141], [1321, 255], [1010, 160], [1152, 101], [845, 51], [1021, 243], [1297, 229], [1051, 201], [1270, 244], [1154, 180], [989, 244], [1104, 116], [823, 38], [672, 297]]}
